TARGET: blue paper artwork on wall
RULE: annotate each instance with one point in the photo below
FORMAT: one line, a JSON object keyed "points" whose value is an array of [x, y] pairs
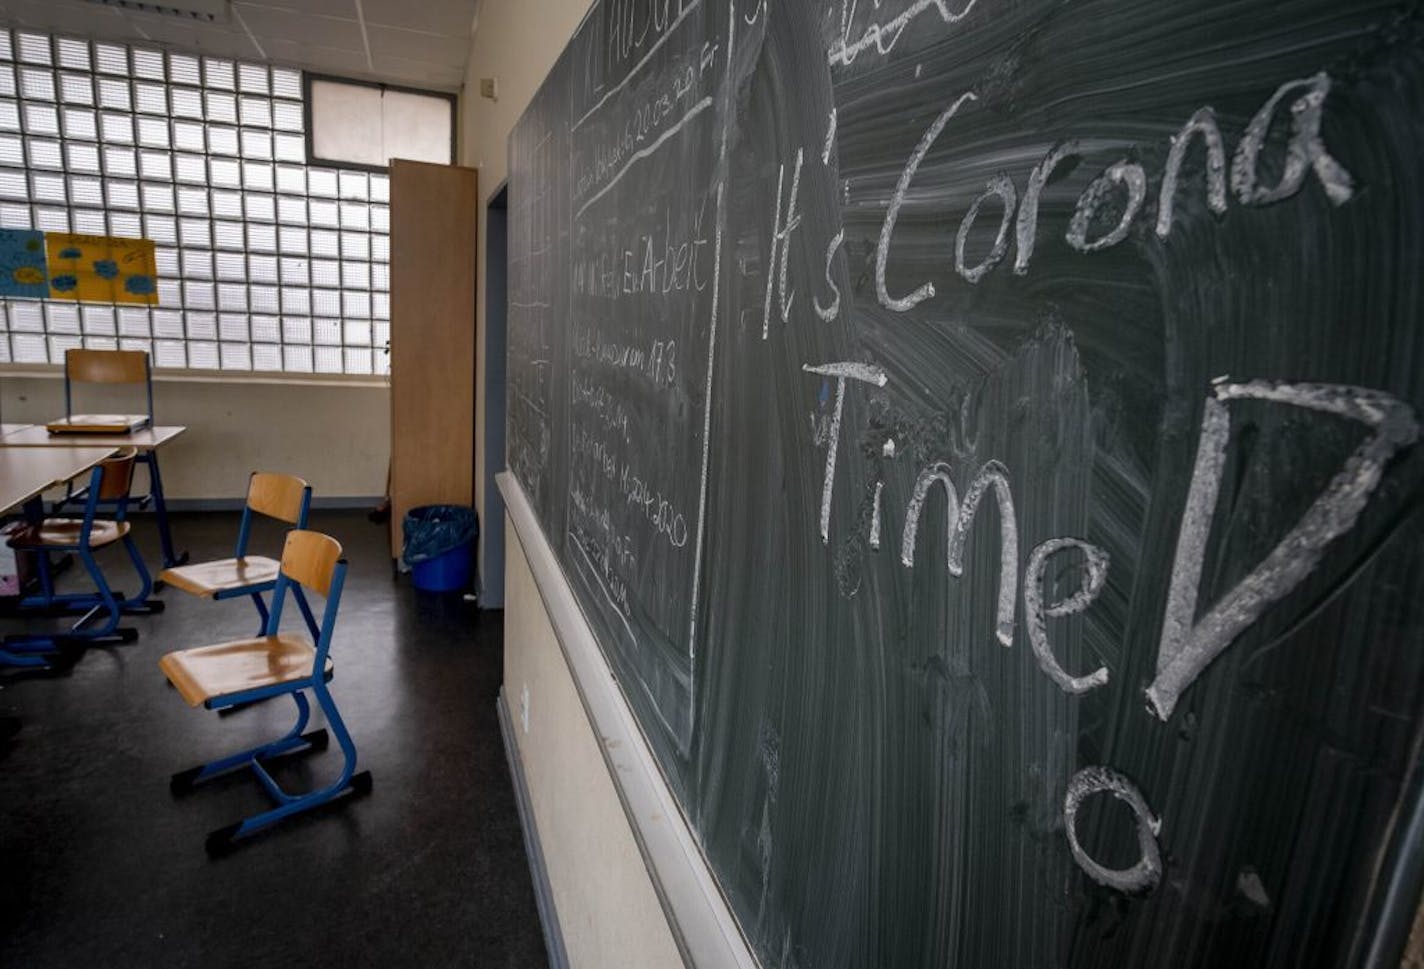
{"points": [[22, 264]]}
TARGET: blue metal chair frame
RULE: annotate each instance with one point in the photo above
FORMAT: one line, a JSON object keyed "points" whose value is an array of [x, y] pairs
{"points": [[92, 604], [244, 529], [349, 783], [155, 479]]}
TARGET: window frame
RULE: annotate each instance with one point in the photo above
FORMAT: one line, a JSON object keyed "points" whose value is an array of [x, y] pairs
{"points": [[314, 159]]}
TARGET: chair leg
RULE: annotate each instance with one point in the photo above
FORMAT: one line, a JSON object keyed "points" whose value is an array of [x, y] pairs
{"points": [[349, 784], [109, 632], [292, 742], [140, 604], [261, 612]]}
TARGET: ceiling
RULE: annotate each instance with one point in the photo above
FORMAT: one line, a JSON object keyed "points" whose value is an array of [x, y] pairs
{"points": [[418, 43]]}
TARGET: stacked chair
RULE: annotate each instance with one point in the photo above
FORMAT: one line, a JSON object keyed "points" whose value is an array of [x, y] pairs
{"points": [[246, 671], [109, 485]]}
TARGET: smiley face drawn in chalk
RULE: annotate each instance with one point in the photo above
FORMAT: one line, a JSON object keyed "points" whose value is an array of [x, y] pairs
{"points": [[139, 285], [63, 284]]}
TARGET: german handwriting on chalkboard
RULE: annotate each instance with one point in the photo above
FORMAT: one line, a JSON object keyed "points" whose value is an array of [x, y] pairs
{"points": [[883, 36]]}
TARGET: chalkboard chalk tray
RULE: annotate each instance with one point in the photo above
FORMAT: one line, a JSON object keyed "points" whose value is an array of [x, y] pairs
{"points": [[983, 437]]}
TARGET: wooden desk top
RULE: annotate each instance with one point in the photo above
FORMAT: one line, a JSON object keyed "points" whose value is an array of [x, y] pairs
{"points": [[25, 472], [35, 435]]}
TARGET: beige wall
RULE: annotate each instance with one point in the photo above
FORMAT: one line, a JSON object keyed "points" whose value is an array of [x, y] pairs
{"points": [[337, 436], [607, 908]]}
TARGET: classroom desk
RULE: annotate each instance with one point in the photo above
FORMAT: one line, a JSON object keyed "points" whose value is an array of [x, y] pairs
{"points": [[25, 474], [148, 441]]}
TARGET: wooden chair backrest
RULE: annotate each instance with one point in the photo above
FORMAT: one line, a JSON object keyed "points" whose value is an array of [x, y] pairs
{"points": [[310, 558], [117, 475], [276, 495], [106, 366]]}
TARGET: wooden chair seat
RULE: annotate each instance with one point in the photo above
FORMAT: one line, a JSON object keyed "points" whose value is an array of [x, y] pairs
{"points": [[65, 532], [208, 579], [206, 672]]}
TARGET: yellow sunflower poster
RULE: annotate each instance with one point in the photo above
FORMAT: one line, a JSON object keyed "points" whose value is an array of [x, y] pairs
{"points": [[101, 269]]}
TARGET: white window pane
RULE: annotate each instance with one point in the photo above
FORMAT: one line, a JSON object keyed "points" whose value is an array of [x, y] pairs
{"points": [[296, 301], [202, 355], [9, 116], [191, 168], [122, 194], [264, 299], [115, 128], [327, 302], [78, 123], [193, 201], [252, 78], [156, 165], [48, 188], [169, 353], [356, 360], [222, 140], [255, 112], [260, 207], [232, 296], [82, 157], [297, 359], [134, 322], [27, 317], [266, 356], [198, 263], [37, 83], [380, 276], [322, 181], [226, 204], [195, 233], [99, 320], [87, 190], [73, 89], [286, 83], [225, 172], [356, 275], [151, 98], [287, 116], [228, 235], [28, 348], [257, 144], [168, 323], [292, 211], [296, 330], [220, 107], [356, 304], [120, 162], [184, 69], [218, 73], [357, 333], [295, 271], [149, 64], [61, 317], [153, 132], [324, 242], [44, 153], [125, 224], [266, 329], [14, 216], [73, 54], [111, 58], [289, 148], [52, 220], [88, 221], [8, 87], [41, 119], [261, 238], [326, 272], [355, 215], [235, 356], [262, 269], [114, 94], [186, 103], [231, 265], [13, 184], [34, 48], [328, 359], [165, 258], [202, 296], [257, 175], [380, 306], [189, 136]]}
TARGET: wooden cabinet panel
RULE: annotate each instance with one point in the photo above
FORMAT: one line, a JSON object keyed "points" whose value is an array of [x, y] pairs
{"points": [[434, 215]]}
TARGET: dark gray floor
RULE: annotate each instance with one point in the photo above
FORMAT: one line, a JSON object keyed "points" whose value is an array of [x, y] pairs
{"points": [[100, 866]]}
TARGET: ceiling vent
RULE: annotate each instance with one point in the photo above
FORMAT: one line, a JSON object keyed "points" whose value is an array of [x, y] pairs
{"points": [[208, 11]]}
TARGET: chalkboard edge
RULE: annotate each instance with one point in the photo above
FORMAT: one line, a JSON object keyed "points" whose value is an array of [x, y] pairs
{"points": [[702, 924]]}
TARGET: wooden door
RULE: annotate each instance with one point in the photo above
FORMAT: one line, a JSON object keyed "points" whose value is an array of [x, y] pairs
{"points": [[433, 239]]}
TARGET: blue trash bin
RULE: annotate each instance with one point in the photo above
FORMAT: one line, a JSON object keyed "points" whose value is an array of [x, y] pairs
{"points": [[439, 546]]}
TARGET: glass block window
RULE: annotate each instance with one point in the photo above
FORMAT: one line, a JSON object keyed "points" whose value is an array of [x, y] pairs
{"points": [[265, 263]]}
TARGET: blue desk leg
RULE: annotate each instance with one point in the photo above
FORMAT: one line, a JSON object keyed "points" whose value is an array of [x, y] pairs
{"points": [[160, 512]]}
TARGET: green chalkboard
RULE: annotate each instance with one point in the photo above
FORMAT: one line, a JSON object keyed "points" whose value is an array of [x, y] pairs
{"points": [[983, 439]]}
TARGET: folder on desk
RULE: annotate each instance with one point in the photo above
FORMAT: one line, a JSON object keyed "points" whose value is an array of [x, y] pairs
{"points": [[98, 424]]}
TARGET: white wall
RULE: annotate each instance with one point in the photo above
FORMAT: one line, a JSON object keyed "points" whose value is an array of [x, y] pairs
{"points": [[607, 907], [336, 435]]}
